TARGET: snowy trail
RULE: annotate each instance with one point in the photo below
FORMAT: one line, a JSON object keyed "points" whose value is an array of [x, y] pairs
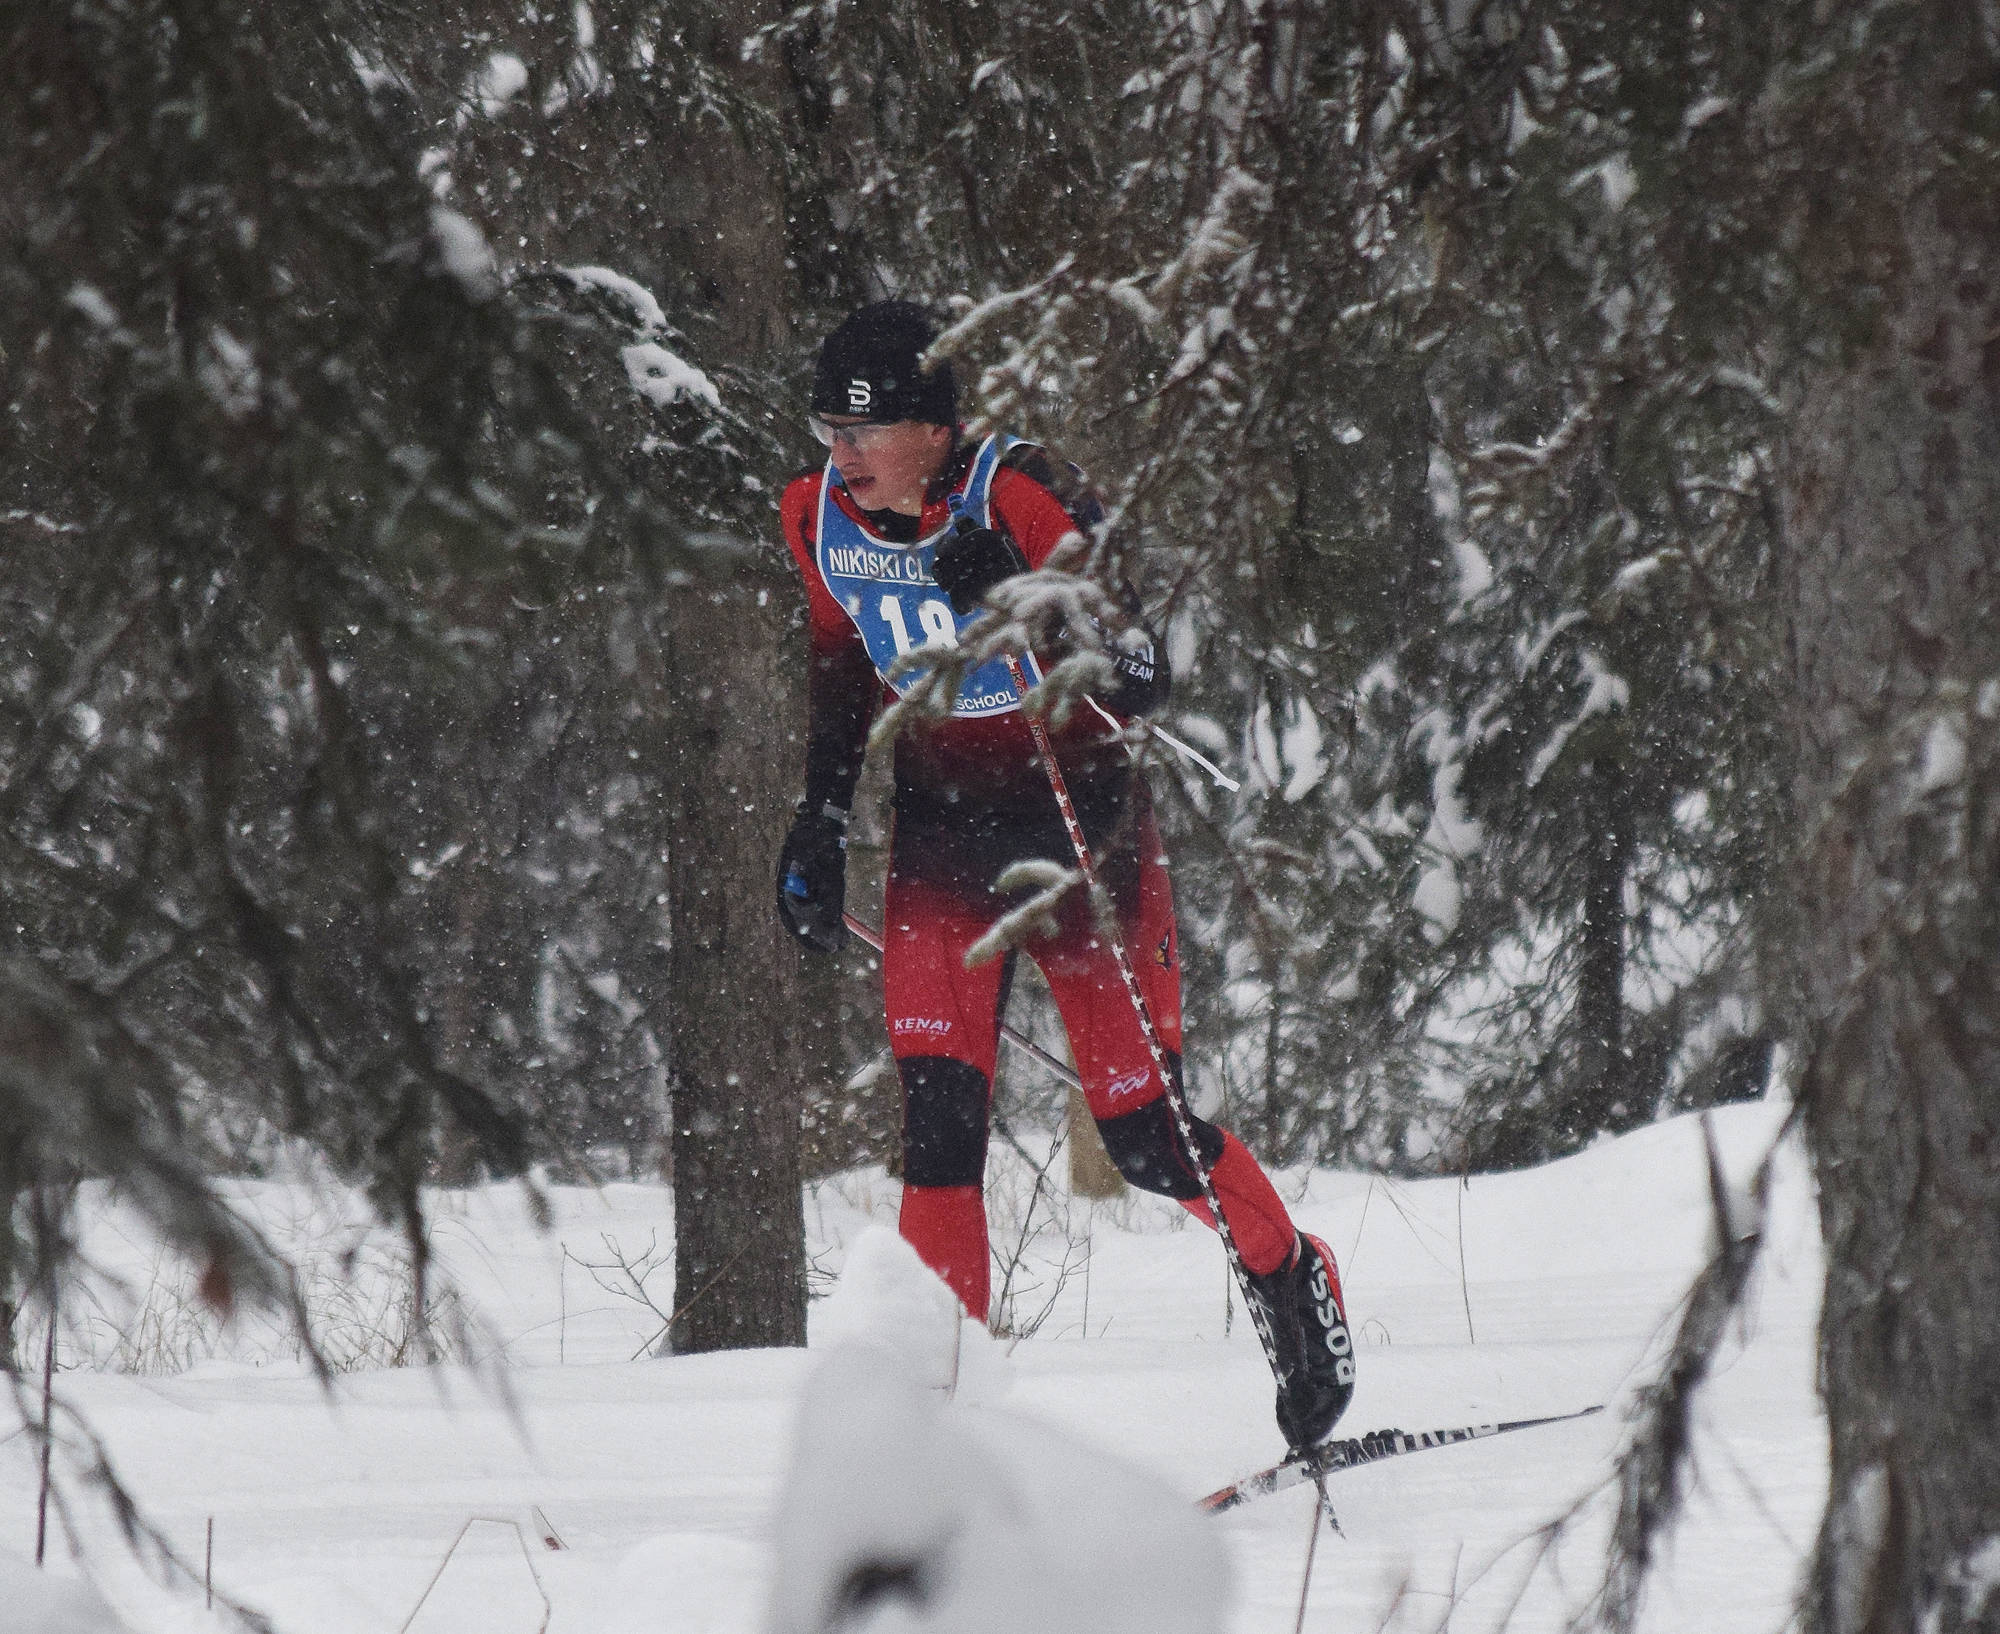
{"points": [[332, 1513]]}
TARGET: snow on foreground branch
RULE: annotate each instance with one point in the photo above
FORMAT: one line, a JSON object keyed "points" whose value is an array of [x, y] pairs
{"points": [[913, 1511]]}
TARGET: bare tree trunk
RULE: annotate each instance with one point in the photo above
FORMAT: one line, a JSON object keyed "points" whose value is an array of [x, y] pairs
{"points": [[1892, 496], [740, 1053], [740, 1008]]}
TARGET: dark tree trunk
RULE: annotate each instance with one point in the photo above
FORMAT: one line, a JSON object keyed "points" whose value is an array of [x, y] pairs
{"points": [[739, 1055], [1892, 494], [1599, 1098], [739, 995]]}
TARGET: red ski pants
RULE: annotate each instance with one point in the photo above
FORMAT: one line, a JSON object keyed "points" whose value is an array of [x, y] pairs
{"points": [[944, 1028]]}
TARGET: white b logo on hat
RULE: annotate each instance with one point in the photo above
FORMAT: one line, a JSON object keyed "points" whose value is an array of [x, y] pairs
{"points": [[859, 396]]}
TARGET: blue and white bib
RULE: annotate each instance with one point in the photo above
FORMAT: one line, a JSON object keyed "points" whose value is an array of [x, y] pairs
{"points": [[896, 605]]}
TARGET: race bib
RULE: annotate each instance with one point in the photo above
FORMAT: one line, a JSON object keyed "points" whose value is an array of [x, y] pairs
{"points": [[897, 607]]}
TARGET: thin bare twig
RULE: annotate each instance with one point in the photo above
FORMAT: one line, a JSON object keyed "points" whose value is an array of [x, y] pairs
{"points": [[1321, 1506], [48, 1439]]}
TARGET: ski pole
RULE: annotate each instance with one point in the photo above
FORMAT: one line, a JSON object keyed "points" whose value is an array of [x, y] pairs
{"points": [[1100, 898], [1176, 1097], [1020, 1040]]}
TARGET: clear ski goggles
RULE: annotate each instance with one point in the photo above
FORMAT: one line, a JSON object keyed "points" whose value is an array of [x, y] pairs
{"points": [[861, 437]]}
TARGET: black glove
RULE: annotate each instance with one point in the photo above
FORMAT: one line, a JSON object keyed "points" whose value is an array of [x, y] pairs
{"points": [[1143, 678], [812, 879], [971, 561]]}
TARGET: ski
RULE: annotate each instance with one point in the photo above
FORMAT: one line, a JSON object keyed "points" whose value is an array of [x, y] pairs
{"points": [[1328, 1456]]}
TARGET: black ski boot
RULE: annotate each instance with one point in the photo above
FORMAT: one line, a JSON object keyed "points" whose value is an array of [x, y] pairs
{"points": [[1301, 1303]]}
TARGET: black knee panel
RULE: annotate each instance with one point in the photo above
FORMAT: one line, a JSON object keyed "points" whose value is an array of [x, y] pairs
{"points": [[944, 1121], [1147, 1149]]}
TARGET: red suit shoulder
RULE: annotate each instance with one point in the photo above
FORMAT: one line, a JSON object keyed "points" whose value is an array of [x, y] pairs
{"points": [[796, 508], [1030, 515]]}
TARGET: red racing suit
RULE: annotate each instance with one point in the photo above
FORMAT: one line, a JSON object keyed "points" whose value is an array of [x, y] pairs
{"points": [[971, 796]]}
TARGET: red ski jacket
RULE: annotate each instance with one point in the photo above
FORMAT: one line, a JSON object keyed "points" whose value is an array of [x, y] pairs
{"points": [[948, 769]]}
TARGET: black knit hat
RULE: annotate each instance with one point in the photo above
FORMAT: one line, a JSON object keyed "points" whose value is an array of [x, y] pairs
{"points": [[869, 366]]}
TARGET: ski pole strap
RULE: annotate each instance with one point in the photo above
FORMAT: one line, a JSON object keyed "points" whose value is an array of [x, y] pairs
{"points": [[1186, 751], [1222, 779]]}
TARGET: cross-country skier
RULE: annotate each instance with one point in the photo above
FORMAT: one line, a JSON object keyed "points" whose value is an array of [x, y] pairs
{"points": [[886, 572]]}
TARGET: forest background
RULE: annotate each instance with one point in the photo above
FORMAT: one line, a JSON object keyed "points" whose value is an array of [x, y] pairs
{"points": [[1557, 442]]}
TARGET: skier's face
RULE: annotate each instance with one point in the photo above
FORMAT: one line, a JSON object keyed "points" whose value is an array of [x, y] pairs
{"points": [[888, 467]]}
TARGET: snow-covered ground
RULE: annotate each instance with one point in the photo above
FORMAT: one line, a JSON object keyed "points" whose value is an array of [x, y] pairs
{"points": [[1513, 1296]]}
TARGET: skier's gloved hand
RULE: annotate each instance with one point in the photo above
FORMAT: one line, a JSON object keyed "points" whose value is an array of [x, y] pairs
{"points": [[971, 561], [1143, 680], [812, 879], [1140, 678]]}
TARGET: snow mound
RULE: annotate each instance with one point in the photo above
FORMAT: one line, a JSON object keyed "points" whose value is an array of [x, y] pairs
{"points": [[487, 1581], [905, 1514], [887, 1299], [704, 1577], [40, 1602]]}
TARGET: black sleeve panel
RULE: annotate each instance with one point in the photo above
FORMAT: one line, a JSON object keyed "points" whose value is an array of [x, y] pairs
{"points": [[842, 688], [841, 692]]}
